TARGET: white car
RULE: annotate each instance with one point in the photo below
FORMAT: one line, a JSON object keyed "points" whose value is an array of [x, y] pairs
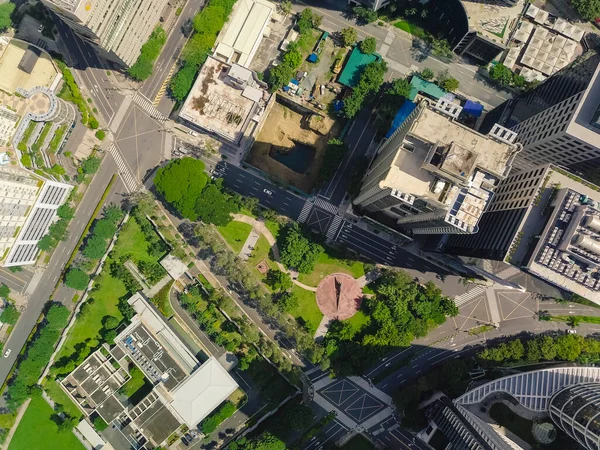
{"points": [[7, 353], [40, 28], [268, 192], [571, 331], [192, 133]]}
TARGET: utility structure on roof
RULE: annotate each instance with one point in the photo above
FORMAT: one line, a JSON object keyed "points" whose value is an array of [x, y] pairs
{"points": [[434, 175], [116, 28]]}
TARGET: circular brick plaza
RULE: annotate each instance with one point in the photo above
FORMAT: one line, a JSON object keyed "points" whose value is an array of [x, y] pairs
{"points": [[339, 296]]}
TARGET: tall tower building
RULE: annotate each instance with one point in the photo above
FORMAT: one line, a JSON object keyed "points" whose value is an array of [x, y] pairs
{"points": [[576, 410], [118, 28], [434, 175], [559, 121]]}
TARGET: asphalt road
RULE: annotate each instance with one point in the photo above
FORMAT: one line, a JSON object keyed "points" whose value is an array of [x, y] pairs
{"points": [[59, 258], [170, 52]]}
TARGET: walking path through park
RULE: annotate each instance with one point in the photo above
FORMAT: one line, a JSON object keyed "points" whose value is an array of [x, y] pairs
{"points": [[20, 414], [260, 227]]}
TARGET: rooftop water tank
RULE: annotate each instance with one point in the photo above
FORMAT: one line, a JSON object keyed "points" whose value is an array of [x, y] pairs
{"points": [[588, 244], [592, 222]]}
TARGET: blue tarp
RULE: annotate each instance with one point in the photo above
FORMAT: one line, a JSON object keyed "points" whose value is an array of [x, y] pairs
{"points": [[404, 111], [473, 108], [294, 81], [312, 57], [338, 105]]}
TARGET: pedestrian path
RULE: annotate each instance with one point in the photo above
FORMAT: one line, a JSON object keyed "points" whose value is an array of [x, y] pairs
{"points": [[115, 123], [492, 301], [128, 178], [140, 100], [473, 293]]}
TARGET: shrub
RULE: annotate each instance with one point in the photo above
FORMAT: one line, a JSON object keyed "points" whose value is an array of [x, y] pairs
{"points": [[101, 135], [211, 423]]}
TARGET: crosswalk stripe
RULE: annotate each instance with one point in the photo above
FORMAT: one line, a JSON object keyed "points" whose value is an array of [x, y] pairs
{"points": [[326, 205], [147, 106], [305, 211], [464, 298], [130, 182], [335, 224]]}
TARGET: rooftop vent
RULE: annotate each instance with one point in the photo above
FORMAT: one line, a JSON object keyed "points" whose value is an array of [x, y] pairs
{"points": [[503, 134]]}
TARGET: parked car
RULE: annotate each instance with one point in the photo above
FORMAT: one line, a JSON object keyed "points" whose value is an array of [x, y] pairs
{"points": [[572, 331], [268, 192], [192, 133], [7, 353]]}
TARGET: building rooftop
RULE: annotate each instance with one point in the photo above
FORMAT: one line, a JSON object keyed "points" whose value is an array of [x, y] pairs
{"points": [[356, 62], [245, 30], [494, 21], [585, 124], [22, 67], [419, 85], [202, 392], [226, 100], [448, 163]]}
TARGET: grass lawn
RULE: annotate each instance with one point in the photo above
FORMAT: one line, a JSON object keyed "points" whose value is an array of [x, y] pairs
{"points": [[133, 242], [37, 431], [106, 299], [58, 395], [273, 227], [412, 28], [307, 310], [261, 252], [359, 320], [327, 264], [236, 233]]}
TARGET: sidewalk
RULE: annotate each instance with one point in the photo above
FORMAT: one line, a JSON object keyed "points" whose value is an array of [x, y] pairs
{"points": [[261, 228]]}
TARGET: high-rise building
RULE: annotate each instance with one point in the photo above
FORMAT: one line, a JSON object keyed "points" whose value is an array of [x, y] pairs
{"points": [[434, 175], [559, 121], [545, 221], [118, 28], [576, 410], [28, 205]]}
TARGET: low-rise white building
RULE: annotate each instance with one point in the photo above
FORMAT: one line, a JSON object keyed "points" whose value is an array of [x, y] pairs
{"points": [[28, 205]]}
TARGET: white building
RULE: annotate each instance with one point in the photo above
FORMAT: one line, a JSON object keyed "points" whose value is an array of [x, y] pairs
{"points": [[242, 36], [434, 175], [28, 205], [118, 28]]}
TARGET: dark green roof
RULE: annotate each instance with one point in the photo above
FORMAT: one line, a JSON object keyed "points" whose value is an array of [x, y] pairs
{"points": [[356, 62], [418, 84]]}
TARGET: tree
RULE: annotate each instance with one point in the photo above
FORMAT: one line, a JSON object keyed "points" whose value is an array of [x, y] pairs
{"points": [[10, 315], [95, 247], [142, 68], [6, 10], [104, 229], [77, 279], [349, 36], [93, 123], [278, 280], [182, 82], [297, 251], [214, 206], [181, 182], [90, 164], [501, 74], [286, 7], [368, 46], [65, 211], [211, 21], [279, 76], [441, 48], [113, 213], [369, 82], [293, 58], [587, 9], [4, 291], [46, 243], [110, 322], [100, 135], [67, 424], [451, 84], [305, 23], [427, 74], [364, 15]]}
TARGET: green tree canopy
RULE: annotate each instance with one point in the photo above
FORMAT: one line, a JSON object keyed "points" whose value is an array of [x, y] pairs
{"points": [[95, 247], [181, 182], [297, 251], [65, 211], [182, 82], [142, 68], [588, 9], [278, 280], [214, 206], [349, 36], [77, 279], [502, 74], [4, 291], [10, 315], [6, 9], [368, 46], [90, 164], [427, 74]]}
